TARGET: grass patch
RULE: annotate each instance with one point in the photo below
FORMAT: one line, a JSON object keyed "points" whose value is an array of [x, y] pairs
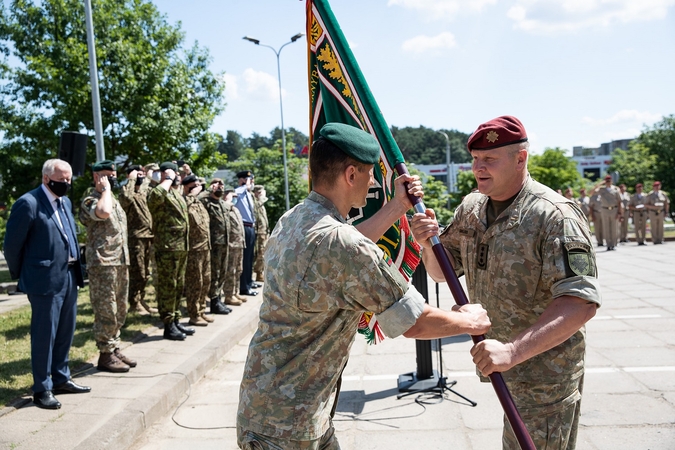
{"points": [[4, 276], [16, 377]]}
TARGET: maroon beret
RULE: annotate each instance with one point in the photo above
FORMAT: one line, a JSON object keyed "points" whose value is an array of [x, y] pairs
{"points": [[657, 183], [504, 130], [608, 177], [638, 185]]}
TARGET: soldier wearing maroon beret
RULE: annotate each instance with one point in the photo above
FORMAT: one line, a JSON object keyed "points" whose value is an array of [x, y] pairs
{"points": [[528, 260]]}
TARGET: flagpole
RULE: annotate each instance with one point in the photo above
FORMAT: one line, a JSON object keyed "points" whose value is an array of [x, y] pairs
{"points": [[498, 383]]}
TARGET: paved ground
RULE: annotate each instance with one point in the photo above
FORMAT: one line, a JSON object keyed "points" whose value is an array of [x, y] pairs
{"points": [[629, 400]]}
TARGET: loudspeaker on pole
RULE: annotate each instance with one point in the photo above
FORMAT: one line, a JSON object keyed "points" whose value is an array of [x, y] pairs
{"points": [[73, 149]]}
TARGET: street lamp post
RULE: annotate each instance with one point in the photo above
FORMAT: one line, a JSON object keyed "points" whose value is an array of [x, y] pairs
{"points": [[448, 162], [281, 105]]}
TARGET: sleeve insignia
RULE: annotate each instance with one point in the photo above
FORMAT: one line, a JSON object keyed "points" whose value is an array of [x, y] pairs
{"points": [[579, 259]]}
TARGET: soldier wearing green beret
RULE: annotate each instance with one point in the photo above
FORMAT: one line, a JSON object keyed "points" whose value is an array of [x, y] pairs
{"points": [[107, 263], [321, 275]]}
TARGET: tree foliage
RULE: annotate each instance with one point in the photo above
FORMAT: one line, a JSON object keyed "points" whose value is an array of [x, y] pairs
{"points": [[660, 140], [635, 165], [554, 169], [423, 145], [435, 196], [158, 99], [466, 183]]}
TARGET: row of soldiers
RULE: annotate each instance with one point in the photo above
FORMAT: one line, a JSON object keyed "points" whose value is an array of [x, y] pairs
{"points": [[610, 207], [195, 236]]}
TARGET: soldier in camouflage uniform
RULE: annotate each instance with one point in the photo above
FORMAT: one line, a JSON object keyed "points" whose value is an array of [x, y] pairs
{"points": [[170, 226], [235, 252], [640, 214], [107, 263], [527, 257], [658, 204], [321, 275], [219, 225], [261, 229], [198, 272], [133, 199]]}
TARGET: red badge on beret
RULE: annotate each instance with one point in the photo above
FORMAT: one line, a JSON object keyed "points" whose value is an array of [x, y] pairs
{"points": [[504, 130]]}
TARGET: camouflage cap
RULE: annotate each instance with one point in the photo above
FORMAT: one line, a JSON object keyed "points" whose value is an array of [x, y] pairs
{"points": [[258, 188], [106, 164], [151, 166], [356, 143]]}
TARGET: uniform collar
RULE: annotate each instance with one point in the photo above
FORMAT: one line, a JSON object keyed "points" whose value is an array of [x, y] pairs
{"points": [[323, 201]]}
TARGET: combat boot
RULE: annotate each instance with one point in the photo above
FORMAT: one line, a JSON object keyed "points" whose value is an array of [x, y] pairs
{"points": [[125, 359], [198, 321], [187, 330], [217, 307], [206, 318], [233, 301], [172, 333], [108, 362], [241, 297], [149, 308], [138, 309]]}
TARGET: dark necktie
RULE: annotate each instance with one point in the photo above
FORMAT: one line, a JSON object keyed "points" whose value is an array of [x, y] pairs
{"points": [[65, 223]]}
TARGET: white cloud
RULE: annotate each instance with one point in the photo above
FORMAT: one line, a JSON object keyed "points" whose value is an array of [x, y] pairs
{"points": [[555, 16], [259, 86], [421, 44], [231, 86], [628, 117], [442, 9]]}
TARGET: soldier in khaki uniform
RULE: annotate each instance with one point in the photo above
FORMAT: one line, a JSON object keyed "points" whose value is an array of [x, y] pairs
{"points": [[170, 226], [133, 199], [107, 263], [198, 271], [596, 217], [321, 274], [658, 204], [219, 223], [528, 259], [262, 229], [612, 211], [640, 214], [623, 222]]}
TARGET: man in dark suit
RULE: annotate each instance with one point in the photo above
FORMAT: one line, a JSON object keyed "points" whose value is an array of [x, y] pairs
{"points": [[42, 252]]}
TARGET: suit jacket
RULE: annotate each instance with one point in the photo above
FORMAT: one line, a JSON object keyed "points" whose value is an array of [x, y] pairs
{"points": [[36, 249]]}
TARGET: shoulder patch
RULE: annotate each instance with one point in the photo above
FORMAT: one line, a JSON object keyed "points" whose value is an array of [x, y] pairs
{"points": [[579, 259]]}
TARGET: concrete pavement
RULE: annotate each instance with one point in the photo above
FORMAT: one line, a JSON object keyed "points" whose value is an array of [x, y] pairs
{"points": [[629, 398]]}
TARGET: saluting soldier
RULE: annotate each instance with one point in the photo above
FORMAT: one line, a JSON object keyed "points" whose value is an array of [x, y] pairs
{"points": [[219, 223], [658, 205], [623, 222], [170, 226], [107, 264], [262, 229], [639, 213], [612, 211], [198, 271]]}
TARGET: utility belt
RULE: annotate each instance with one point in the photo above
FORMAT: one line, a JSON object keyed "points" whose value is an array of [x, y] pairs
{"points": [[609, 207]]}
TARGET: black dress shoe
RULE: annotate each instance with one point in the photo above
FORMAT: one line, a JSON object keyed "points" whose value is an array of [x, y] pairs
{"points": [[256, 285], [172, 333], [189, 331], [251, 293], [46, 400], [70, 387]]}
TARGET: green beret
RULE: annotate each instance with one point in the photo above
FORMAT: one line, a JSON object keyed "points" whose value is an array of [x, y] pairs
{"points": [[106, 164], [359, 144], [168, 165]]}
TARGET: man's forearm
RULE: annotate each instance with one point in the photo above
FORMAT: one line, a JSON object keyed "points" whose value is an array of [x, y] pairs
{"points": [[374, 227]]}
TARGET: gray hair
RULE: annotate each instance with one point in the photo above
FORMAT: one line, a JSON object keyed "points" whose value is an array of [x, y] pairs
{"points": [[49, 167]]}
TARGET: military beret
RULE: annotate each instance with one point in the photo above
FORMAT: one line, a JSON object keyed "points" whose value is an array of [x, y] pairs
{"points": [[638, 185], [133, 167], [188, 179], [499, 132], [151, 166], [106, 164], [168, 165], [657, 183], [608, 177], [216, 180], [245, 174], [356, 143], [258, 188], [227, 189]]}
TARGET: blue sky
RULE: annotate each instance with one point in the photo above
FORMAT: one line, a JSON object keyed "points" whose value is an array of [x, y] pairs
{"points": [[576, 72]]}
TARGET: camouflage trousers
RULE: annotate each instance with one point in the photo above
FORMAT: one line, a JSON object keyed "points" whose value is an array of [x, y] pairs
{"points": [[169, 283], [218, 269], [197, 281], [248, 440], [259, 262], [108, 289], [550, 412], [139, 273], [235, 266]]}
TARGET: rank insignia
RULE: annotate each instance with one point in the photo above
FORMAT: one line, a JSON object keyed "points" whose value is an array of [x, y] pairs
{"points": [[492, 136]]}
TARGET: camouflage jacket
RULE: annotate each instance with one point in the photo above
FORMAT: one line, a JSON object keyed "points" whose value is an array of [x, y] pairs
{"points": [[106, 238], [135, 204], [170, 222], [538, 249], [199, 237], [262, 225], [321, 275], [236, 236], [219, 220]]}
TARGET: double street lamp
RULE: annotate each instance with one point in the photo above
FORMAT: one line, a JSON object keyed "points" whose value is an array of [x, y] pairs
{"points": [[281, 105]]}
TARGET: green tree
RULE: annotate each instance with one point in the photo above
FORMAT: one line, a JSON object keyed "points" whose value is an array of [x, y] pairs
{"points": [[635, 165], [466, 183], [435, 196], [554, 169], [424, 145], [660, 140], [233, 145], [158, 99]]}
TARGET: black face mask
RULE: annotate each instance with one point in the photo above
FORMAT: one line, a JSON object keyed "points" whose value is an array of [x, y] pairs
{"points": [[218, 193], [139, 180], [113, 182], [59, 188]]}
